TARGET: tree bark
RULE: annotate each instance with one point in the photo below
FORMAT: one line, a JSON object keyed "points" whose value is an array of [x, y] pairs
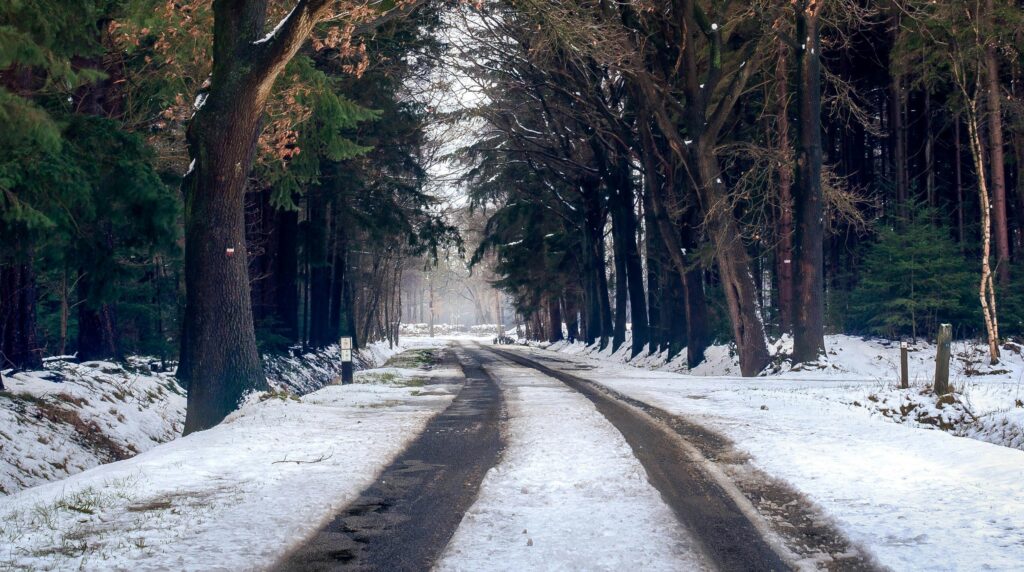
{"points": [[986, 289], [808, 318], [621, 290], [18, 344], [97, 326], [554, 319], [784, 248], [219, 360], [733, 265], [997, 166]]}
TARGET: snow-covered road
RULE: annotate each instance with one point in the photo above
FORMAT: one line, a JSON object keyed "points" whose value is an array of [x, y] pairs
{"points": [[914, 498], [568, 494]]}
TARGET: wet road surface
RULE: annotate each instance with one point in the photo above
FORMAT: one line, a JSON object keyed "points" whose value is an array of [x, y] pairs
{"points": [[405, 519]]}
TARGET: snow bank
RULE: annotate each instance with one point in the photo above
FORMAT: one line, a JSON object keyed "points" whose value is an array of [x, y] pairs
{"points": [[308, 372], [71, 417], [988, 405], [235, 497], [900, 491]]}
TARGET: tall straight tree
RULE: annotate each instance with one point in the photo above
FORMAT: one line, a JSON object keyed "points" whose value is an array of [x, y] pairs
{"points": [[219, 360], [809, 309], [993, 94]]}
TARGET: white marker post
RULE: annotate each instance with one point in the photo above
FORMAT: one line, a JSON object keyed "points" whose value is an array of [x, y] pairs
{"points": [[346, 360]]}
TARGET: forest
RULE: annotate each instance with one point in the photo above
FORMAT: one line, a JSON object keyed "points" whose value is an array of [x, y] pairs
{"points": [[212, 181]]}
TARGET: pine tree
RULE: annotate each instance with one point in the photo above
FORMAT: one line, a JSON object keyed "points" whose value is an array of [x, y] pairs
{"points": [[913, 278]]}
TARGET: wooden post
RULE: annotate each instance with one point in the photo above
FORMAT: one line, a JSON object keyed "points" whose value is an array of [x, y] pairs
{"points": [[904, 373], [347, 369], [941, 385]]}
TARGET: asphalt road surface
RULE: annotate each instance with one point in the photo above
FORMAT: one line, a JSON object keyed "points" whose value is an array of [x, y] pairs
{"points": [[405, 519]]}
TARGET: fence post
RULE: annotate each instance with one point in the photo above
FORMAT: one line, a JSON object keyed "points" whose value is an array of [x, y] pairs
{"points": [[904, 370], [941, 385], [345, 347]]}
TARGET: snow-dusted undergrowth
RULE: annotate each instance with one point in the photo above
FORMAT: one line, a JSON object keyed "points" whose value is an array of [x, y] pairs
{"points": [[987, 404], [70, 416]]}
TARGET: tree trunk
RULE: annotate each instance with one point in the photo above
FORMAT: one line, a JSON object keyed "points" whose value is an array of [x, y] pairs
{"points": [[18, 346], [808, 318], [986, 290], [219, 360], [897, 125], [694, 300], [958, 168], [97, 328], [784, 248], [621, 290], [654, 253], [733, 264], [554, 320], [997, 160], [572, 321], [599, 318]]}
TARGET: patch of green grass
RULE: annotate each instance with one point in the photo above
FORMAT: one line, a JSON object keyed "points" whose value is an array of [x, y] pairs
{"points": [[282, 394]]}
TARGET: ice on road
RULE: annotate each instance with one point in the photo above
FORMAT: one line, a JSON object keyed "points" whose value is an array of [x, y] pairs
{"points": [[568, 494]]}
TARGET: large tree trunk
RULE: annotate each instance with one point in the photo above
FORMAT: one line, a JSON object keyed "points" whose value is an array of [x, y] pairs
{"points": [[1000, 231], [733, 264], [808, 322], [654, 253], [18, 346], [621, 290], [695, 302], [599, 319], [784, 247], [219, 360], [554, 319]]}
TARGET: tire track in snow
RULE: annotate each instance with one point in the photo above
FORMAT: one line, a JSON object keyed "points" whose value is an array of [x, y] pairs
{"points": [[403, 521], [681, 461], [568, 493]]}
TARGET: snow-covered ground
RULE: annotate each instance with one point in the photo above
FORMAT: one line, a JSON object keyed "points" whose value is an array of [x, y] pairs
{"points": [[915, 497], [235, 497], [71, 417], [567, 494], [988, 403]]}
